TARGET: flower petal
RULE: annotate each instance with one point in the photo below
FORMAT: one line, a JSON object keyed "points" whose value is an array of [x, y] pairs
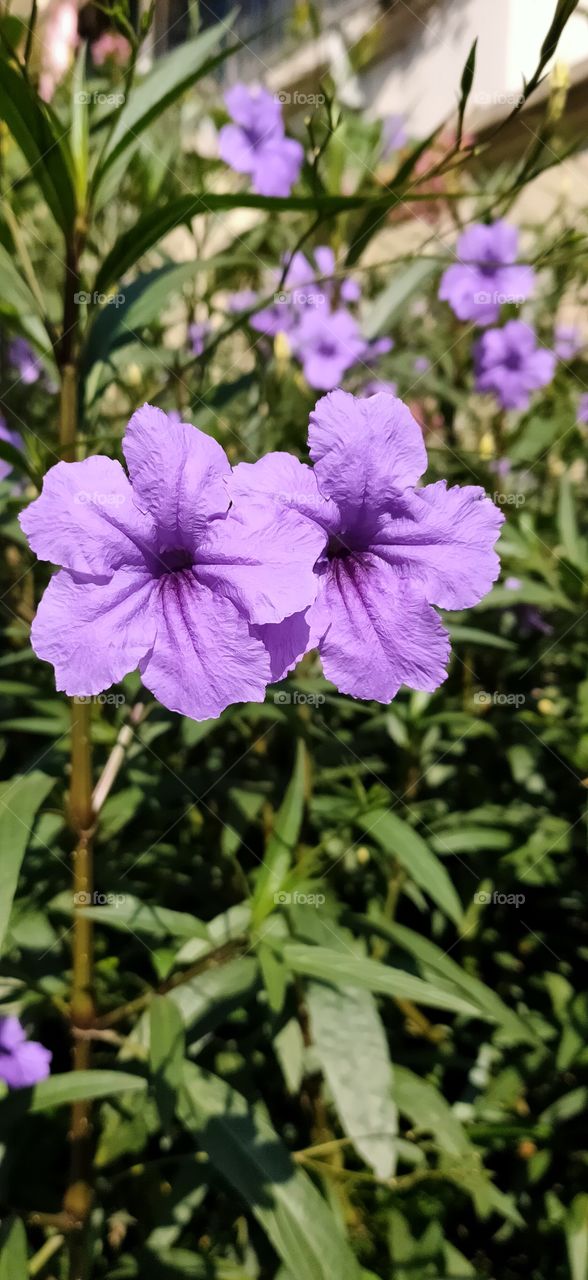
{"points": [[29, 1063], [178, 474], [282, 479], [85, 519], [277, 167], [234, 147], [446, 547], [377, 634], [286, 643], [262, 558], [364, 450], [205, 656], [94, 633]]}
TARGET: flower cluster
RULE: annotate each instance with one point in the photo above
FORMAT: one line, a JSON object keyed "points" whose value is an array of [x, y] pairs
{"points": [[214, 581], [313, 309], [509, 362], [256, 143]]}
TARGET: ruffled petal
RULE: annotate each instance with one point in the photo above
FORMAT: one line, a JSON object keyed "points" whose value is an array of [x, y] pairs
{"points": [[262, 558], [85, 519], [178, 474], [377, 633], [205, 656], [234, 147], [277, 167], [282, 479], [286, 643], [364, 450], [94, 633], [445, 547]]}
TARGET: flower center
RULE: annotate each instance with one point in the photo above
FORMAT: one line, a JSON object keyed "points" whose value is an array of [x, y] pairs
{"points": [[326, 348], [513, 360], [174, 560], [337, 549]]}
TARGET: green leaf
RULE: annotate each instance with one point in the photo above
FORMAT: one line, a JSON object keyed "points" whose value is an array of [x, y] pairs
{"points": [[36, 134], [392, 300], [282, 842], [576, 1227], [467, 80], [168, 79], [166, 1054], [351, 1046], [354, 970], [129, 914], [13, 1250], [573, 544], [398, 839], [80, 131], [71, 1086], [20, 800], [243, 1146]]}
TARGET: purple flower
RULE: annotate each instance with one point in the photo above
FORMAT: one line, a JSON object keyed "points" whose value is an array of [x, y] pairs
{"points": [[22, 1062], [486, 275], [256, 143], [10, 437], [26, 363], [582, 414], [394, 135], [327, 345], [376, 387], [242, 300], [511, 365], [197, 334], [568, 341], [376, 347], [393, 551], [422, 364], [159, 573]]}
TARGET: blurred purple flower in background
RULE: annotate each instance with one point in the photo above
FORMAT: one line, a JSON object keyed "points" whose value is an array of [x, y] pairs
{"points": [[582, 413], [486, 275], [159, 574], [394, 135], [256, 142], [327, 345], [10, 437], [393, 551], [197, 335], [22, 1062], [422, 364], [511, 365], [568, 341], [25, 361], [375, 387]]}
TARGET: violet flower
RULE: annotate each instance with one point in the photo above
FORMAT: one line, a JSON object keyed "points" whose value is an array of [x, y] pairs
{"points": [[568, 342], [25, 361], [197, 335], [378, 386], [511, 365], [582, 411], [10, 437], [327, 345], [394, 135], [256, 142], [22, 1062], [486, 275], [159, 574], [393, 551]]}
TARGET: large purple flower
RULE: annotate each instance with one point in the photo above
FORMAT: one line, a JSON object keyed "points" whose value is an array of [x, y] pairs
{"points": [[486, 275], [393, 551], [22, 1062], [511, 365], [159, 574], [256, 142], [327, 343]]}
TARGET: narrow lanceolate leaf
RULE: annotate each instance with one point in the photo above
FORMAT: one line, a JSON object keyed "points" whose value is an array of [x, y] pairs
{"points": [[392, 300], [79, 136], [71, 1086], [282, 842], [13, 1250], [576, 1228], [467, 81], [349, 970], [403, 843], [169, 78], [37, 135], [349, 1039], [166, 1054], [20, 801], [245, 1149]]}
